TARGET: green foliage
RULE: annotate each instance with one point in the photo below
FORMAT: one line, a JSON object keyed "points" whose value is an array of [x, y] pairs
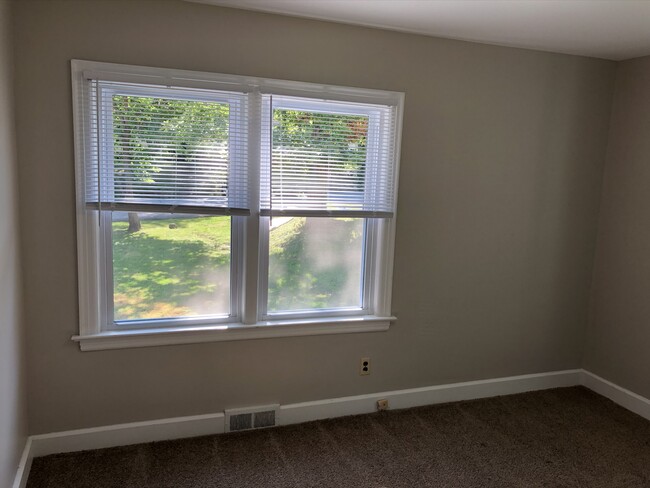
{"points": [[298, 128], [340, 139], [184, 271], [159, 271], [142, 124], [143, 127]]}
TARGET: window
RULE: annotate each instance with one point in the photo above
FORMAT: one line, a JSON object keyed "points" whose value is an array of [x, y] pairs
{"points": [[213, 207]]}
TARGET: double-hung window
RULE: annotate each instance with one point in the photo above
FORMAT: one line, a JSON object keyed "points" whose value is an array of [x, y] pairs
{"points": [[215, 207]]}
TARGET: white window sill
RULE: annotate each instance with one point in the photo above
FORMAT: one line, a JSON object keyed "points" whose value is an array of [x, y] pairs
{"points": [[231, 332]]}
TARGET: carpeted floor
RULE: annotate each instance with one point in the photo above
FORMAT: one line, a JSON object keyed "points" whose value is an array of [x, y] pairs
{"points": [[568, 437]]}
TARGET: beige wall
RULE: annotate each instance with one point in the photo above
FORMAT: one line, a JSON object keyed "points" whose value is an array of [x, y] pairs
{"points": [[502, 160], [618, 340], [13, 427]]}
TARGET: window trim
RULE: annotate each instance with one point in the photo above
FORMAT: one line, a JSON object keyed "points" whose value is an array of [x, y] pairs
{"points": [[245, 281], [230, 332]]}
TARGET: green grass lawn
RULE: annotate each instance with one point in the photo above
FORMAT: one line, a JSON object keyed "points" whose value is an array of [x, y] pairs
{"points": [[183, 271], [163, 272]]}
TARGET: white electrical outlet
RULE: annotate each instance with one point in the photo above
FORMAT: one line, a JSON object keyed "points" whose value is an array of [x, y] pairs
{"points": [[364, 367]]}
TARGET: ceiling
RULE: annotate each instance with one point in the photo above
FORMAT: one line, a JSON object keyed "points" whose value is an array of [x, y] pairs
{"points": [[610, 29]]}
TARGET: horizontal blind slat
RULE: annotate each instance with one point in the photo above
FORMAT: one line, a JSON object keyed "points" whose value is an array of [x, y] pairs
{"points": [[327, 158], [155, 149], [165, 208]]}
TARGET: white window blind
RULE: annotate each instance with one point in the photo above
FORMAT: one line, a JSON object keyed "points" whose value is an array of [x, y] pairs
{"points": [[327, 158], [168, 149]]}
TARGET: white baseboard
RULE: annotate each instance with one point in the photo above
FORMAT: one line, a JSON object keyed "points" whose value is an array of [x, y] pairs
{"points": [[625, 398], [199, 425], [126, 434], [25, 465], [429, 395]]}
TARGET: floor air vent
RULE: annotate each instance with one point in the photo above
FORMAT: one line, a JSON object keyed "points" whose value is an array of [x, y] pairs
{"points": [[251, 418]]}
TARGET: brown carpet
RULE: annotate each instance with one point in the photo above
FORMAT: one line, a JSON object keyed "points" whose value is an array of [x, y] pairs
{"points": [[568, 437]]}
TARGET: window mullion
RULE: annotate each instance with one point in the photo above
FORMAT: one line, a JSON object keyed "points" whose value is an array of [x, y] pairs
{"points": [[250, 285], [105, 156]]}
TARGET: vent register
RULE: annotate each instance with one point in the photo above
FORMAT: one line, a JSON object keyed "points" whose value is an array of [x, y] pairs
{"points": [[238, 419]]}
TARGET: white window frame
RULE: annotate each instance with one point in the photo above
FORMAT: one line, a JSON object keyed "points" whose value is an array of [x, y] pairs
{"points": [[249, 318], [107, 322]]}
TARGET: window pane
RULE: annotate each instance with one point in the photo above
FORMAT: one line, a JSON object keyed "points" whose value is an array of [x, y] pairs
{"points": [[315, 263], [167, 151], [318, 161], [167, 266]]}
